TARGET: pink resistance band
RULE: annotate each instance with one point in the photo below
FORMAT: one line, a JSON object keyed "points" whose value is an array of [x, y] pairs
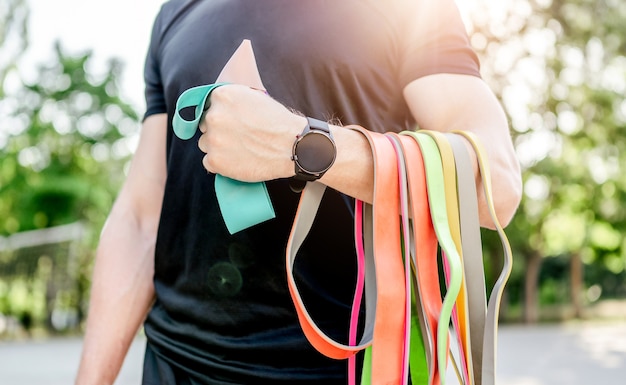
{"points": [[358, 292]]}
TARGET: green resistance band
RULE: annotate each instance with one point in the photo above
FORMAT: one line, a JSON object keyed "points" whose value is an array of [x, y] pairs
{"points": [[242, 204], [436, 196]]}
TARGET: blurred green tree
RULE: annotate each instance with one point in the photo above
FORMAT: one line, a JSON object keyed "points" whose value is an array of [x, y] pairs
{"points": [[559, 68], [70, 136], [65, 142]]}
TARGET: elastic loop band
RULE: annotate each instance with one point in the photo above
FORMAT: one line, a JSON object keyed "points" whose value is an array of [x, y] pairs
{"points": [[242, 204]]}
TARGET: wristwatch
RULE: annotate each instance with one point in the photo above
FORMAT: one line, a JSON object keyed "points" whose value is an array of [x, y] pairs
{"points": [[314, 151]]}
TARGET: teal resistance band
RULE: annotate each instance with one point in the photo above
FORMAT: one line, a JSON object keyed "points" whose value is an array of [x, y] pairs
{"points": [[242, 204]]}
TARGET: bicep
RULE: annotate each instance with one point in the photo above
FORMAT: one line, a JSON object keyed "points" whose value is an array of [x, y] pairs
{"points": [[446, 102], [449, 102]]}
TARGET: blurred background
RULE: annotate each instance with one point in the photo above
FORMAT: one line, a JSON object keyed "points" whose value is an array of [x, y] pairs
{"points": [[71, 99]]}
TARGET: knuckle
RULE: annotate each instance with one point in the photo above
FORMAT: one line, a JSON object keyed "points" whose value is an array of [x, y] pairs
{"points": [[207, 164], [201, 144], [211, 118], [221, 95], [203, 126]]}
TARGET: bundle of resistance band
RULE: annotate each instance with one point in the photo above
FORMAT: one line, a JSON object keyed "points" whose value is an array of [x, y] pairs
{"points": [[424, 217]]}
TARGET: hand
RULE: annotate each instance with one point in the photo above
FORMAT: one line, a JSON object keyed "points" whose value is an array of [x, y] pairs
{"points": [[247, 135]]}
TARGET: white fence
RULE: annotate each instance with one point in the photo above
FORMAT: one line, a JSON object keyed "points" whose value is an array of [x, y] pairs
{"points": [[39, 279]]}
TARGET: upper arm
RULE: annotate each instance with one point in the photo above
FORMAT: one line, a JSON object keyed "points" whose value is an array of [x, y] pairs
{"points": [[445, 102], [448, 102], [142, 192]]}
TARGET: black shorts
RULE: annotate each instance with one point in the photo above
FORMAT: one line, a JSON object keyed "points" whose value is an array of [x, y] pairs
{"points": [[157, 371]]}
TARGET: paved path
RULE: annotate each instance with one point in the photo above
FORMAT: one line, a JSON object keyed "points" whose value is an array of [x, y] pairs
{"points": [[570, 354]]}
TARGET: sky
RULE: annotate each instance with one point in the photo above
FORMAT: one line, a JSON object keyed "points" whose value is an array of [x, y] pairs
{"points": [[111, 28]]}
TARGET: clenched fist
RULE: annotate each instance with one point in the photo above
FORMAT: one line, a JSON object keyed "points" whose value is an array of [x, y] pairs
{"points": [[247, 135]]}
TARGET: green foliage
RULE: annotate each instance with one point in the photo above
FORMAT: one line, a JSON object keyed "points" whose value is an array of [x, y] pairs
{"points": [[559, 68], [64, 146], [71, 135]]}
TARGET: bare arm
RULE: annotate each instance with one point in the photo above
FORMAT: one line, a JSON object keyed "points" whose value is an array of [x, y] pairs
{"points": [[261, 132], [447, 102], [122, 287], [444, 103]]}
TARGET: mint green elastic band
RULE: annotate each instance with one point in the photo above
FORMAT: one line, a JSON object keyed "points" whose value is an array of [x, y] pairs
{"points": [[242, 204], [194, 97]]}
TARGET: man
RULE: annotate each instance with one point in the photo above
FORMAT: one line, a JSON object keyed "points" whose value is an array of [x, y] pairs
{"points": [[216, 306]]}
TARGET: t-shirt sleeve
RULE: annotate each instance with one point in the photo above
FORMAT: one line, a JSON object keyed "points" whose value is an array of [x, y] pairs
{"points": [[433, 40], [154, 91]]}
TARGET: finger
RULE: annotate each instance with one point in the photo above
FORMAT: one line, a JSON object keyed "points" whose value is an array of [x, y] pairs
{"points": [[202, 143], [206, 163]]}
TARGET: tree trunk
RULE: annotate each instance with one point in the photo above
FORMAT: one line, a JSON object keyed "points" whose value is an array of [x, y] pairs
{"points": [[531, 292], [576, 284]]}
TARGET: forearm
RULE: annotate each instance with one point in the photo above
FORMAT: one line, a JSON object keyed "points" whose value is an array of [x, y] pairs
{"points": [[353, 172], [122, 292], [262, 132]]}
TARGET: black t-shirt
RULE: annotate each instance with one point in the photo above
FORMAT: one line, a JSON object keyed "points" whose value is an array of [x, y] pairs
{"points": [[223, 313]]}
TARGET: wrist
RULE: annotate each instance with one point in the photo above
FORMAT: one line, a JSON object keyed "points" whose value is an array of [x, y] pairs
{"points": [[352, 173], [295, 129]]}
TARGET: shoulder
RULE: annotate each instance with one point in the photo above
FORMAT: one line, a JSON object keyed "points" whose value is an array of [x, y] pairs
{"points": [[412, 20], [169, 12]]}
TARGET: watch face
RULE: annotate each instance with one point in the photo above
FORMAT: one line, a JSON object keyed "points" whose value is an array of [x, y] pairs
{"points": [[315, 153]]}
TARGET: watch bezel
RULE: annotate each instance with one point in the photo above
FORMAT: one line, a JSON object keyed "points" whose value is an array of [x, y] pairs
{"points": [[314, 127]]}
